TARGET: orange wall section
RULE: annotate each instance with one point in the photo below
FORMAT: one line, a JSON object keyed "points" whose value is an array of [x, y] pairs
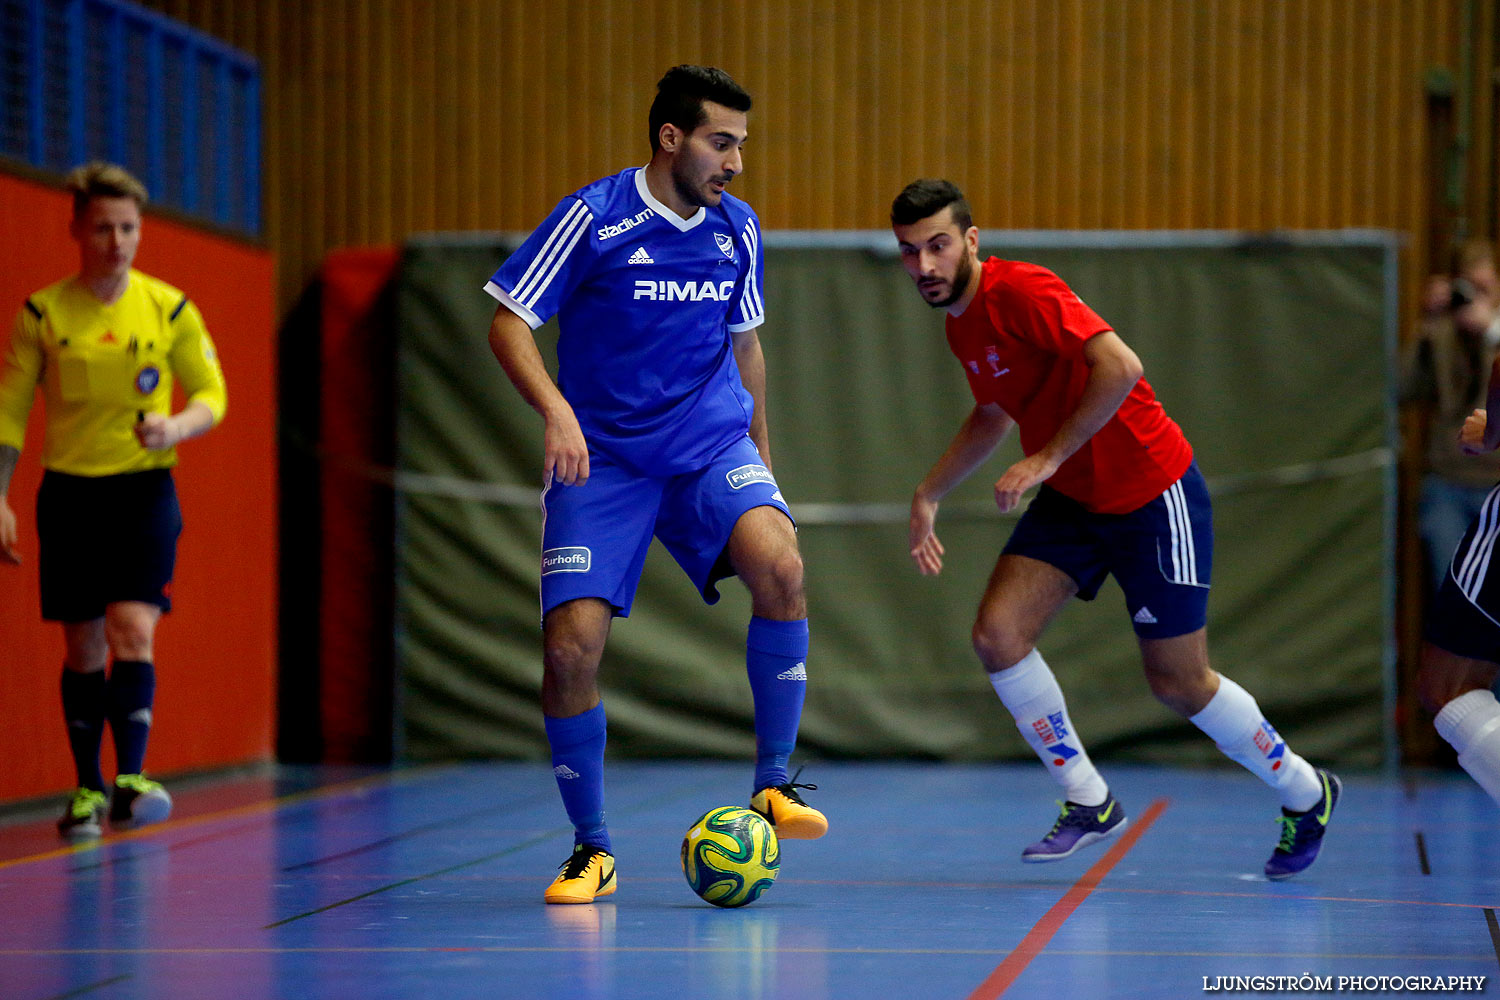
{"points": [[216, 651]]}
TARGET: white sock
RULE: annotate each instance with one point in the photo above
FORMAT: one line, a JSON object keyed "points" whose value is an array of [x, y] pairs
{"points": [[1030, 692], [1233, 721], [1471, 722]]}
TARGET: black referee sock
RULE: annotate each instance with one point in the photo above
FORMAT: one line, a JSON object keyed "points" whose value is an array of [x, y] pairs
{"points": [[83, 699], [132, 686]]}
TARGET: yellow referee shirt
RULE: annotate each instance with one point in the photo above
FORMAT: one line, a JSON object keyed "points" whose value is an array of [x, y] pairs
{"points": [[100, 367]]}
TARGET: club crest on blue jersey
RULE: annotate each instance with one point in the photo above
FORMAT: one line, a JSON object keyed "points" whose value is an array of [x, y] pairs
{"points": [[726, 244], [147, 379], [747, 474], [567, 559]]}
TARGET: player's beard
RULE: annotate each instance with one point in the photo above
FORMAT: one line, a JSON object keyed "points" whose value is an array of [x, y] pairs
{"points": [[692, 193], [961, 278]]}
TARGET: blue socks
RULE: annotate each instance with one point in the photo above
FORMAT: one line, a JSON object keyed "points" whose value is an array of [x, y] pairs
{"points": [[132, 686], [83, 700], [578, 764], [776, 660]]}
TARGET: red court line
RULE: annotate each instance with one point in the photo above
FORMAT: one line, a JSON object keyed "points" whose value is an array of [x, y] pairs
{"points": [[1036, 939]]}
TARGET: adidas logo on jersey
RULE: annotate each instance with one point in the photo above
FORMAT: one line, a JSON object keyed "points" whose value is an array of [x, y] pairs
{"points": [[1144, 616], [797, 673], [564, 771], [640, 257]]}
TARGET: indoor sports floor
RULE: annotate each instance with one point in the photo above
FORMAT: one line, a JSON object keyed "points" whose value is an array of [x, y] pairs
{"points": [[427, 882]]}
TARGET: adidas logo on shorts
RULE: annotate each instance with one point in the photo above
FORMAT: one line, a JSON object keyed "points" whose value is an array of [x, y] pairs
{"points": [[797, 673], [564, 771], [640, 257], [1144, 616]]}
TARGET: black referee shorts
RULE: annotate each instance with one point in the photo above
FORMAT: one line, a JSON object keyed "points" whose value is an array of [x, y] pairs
{"points": [[106, 539]]}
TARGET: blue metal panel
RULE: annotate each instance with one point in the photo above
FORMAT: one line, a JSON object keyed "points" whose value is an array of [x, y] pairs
{"points": [[250, 171], [190, 127], [223, 158], [77, 147], [155, 162], [36, 149], [93, 87], [116, 123]]}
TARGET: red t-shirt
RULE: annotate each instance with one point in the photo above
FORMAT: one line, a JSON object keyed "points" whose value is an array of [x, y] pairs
{"points": [[1021, 344]]}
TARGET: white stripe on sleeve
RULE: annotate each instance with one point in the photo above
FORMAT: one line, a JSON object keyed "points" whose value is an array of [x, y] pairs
{"points": [[1465, 575], [752, 309], [550, 257], [1477, 561]]}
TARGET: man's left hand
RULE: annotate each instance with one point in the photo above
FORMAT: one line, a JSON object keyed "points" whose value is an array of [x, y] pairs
{"points": [[1021, 477]]}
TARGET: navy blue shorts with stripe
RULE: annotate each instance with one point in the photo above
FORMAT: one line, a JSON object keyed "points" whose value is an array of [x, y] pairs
{"points": [[106, 539], [1161, 554], [1465, 615]]}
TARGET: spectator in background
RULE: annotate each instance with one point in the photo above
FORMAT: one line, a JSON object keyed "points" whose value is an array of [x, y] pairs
{"points": [[105, 346], [1444, 371]]}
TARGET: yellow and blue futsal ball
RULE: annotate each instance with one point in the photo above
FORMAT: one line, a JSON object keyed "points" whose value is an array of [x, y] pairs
{"points": [[730, 856]]}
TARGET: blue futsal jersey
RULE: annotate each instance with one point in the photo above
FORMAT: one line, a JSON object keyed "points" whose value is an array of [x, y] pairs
{"points": [[645, 301]]}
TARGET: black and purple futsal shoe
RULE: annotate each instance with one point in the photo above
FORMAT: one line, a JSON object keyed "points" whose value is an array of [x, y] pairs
{"points": [[1302, 832], [1076, 828]]}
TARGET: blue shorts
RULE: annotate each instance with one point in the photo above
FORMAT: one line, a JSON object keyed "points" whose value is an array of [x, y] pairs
{"points": [[595, 536], [106, 539], [1161, 553], [1465, 615]]}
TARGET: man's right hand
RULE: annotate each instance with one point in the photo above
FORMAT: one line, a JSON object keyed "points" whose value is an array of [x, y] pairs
{"points": [[1437, 294], [1471, 434], [926, 550], [566, 453], [8, 551]]}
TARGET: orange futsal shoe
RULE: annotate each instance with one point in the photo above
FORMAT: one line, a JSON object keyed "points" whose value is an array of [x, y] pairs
{"points": [[792, 818], [587, 874]]}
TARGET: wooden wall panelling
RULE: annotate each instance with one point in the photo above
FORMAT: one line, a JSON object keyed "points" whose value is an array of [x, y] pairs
{"points": [[1485, 173], [388, 117]]}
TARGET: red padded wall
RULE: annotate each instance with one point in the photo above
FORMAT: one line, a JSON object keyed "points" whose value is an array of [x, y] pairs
{"points": [[357, 598]]}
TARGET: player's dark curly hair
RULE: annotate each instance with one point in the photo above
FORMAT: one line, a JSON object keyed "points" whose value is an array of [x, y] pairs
{"points": [[928, 196], [681, 93]]}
